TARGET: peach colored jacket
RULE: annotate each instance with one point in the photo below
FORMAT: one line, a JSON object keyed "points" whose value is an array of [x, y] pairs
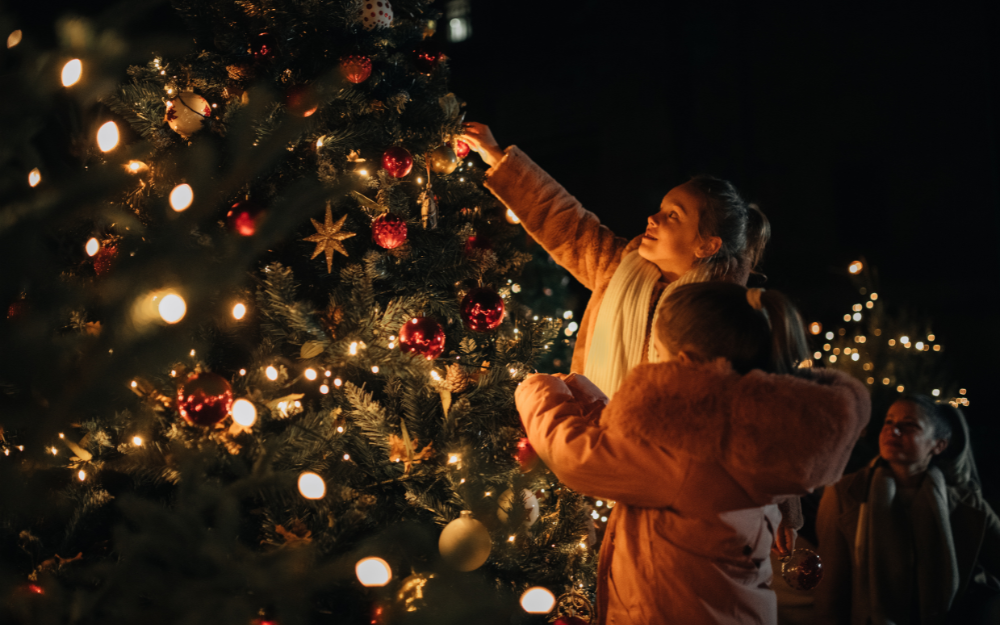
{"points": [[573, 236], [696, 457]]}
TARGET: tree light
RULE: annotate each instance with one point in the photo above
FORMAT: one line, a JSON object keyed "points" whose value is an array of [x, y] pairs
{"points": [[34, 177], [137, 441], [239, 310], [271, 373], [512, 218], [904, 339], [936, 392], [107, 137], [538, 600], [181, 197], [82, 475], [172, 308], [93, 245], [373, 572], [324, 389], [815, 328], [855, 267], [310, 374], [135, 167], [311, 485], [244, 412], [14, 38], [71, 73]]}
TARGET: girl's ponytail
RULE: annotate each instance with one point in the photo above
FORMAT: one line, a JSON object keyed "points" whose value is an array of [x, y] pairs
{"points": [[788, 336]]}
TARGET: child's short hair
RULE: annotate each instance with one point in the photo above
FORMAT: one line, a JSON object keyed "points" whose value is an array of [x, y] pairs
{"points": [[753, 329]]}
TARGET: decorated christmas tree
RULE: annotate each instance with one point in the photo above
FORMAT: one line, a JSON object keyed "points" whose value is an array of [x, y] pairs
{"points": [[263, 333]]}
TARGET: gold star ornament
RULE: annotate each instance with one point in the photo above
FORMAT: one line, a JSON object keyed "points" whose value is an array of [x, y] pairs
{"points": [[328, 238]]}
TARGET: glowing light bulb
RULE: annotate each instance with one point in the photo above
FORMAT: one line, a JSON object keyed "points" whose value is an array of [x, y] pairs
{"points": [[919, 345], [71, 73], [538, 600], [107, 137], [324, 389], [137, 441], [375, 369], [271, 373], [34, 177], [181, 197], [373, 572], [936, 392], [829, 336], [363, 172], [337, 382], [310, 374], [855, 356], [312, 486], [243, 371], [874, 296], [452, 458], [238, 311], [512, 218], [900, 388], [353, 350], [93, 245], [172, 308], [135, 167], [961, 391], [855, 267], [815, 328], [13, 39], [82, 475], [244, 412], [904, 339]]}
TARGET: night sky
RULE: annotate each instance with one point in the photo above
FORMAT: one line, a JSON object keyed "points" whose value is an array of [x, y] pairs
{"points": [[862, 133]]}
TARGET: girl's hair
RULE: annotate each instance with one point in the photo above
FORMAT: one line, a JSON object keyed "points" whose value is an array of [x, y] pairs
{"points": [[743, 228], [716, 320]]}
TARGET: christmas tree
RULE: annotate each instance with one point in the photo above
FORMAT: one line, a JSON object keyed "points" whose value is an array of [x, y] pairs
{"points": [[261, 342]]}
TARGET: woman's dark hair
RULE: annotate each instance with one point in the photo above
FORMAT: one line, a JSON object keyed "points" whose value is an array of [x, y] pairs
{"points": [[934, 413], [743, 228], [716, 320]]}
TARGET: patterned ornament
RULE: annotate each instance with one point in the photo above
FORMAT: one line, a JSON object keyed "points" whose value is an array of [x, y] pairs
{"points": [[356, 68], [443, 160], [461, 148], [302, 100], [482, 309], [803, 570], [422, 336], [526, 455], [389, 231], [410, 596], [245, 217], [105, 259], [397, 162], [528, 500], [328, 238], [263, 47], [376, 14], [186, 112], [465, 543], [205, 399], [573, 608]]}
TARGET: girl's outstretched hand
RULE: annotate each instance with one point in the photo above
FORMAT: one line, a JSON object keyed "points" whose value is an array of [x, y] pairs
{"points": [[784, 541], [480, 139]]}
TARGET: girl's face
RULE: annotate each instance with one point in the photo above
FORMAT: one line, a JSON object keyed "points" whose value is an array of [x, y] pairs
{"points": [[672, 241], [907, 438]]}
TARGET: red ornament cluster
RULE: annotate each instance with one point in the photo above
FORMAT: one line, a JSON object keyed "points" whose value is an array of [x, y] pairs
{"points": [[397, 162], [526, 456], [245, 217], [264, 47], [105, 259], [422, 336], [461, 148], [205, 399], [356, 68], [482, 310], [389, 231]]}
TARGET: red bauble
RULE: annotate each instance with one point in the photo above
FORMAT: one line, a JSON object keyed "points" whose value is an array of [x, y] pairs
{"points": [[477, 243], [389, 231], [422, 336], [527, 457], [356, 68], [302, 100], [205, 399], [397, 161], [482, 310], [245, 217], [570, 620], [105, 259], [264, 47], [461, 148]]}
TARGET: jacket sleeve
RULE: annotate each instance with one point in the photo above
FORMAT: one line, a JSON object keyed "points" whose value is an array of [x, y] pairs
{"points": [[989, 553], [572, 235], [588, 457], [833, 595]]}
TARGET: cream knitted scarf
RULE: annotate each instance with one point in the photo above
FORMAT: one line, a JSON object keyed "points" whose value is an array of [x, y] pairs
{"points": [[623, 320]]}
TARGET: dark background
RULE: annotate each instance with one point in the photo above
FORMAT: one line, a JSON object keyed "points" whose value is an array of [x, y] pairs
{"points": [[862, 132]]}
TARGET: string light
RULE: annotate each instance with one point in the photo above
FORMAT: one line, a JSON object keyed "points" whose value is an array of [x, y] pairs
{"points": [[857, 316], [310, 374], [936, 392], [243, 371], [71, 73], [134, 167], [239, 310], [347, 456], [904, 339], [374, 368], [324, 389], [512, 218], [815, 328], [82, 475], [919, 345], [855, 267], [137, 441], [452, 458], [937, 348], [885, 381], [900, 388], [930, 337], [244, 412], [181, 197], [538, 600], [107, 137], [14, 38], [847, 317], [855, 356], [818, 355], [340, 429], [311, 485], [869, 304], [92, 246], [961, 391], [373, 572], [172, 308], [271, 373], [353, 349], [34, 177], [337, 382]]}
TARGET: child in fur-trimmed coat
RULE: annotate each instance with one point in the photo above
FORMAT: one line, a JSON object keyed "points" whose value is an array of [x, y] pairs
{"points": [[697, 450]]}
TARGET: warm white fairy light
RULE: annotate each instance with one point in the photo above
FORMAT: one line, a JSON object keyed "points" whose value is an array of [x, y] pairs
{"points": [[420, 180], [244, 412], [271, 373], [107, 137], [510, 539], [435, 376], [81, 475], [92, 246], [363, 172], [310, 374], [833, 358], [847, 317], [936, 392], [14, 38], [172, 308], [353, 349], [937, 348], [856, 308], [374, 368], [137, 441], [340, 429], [243, 371], [54, 451], [337, 382], [453, 458], [904, 339], [311, 485], [818, 355], [239, 310], [869, 304], [71, 73], [855, 267], [373, 572], [900, 388], [829, 336], [892, 342], [34, 177], [855, 356], [919, 345], [347, 456], [181, 197], [324, 389], [512, 218]]}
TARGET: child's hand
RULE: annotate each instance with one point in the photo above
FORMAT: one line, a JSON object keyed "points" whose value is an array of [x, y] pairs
{"points": [[784, 541], [480, 139]]}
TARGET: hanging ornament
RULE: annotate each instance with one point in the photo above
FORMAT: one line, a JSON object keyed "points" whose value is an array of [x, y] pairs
{"points": [[302, 100], [186, 112], [427, 58], [397, 162], [328, 238], [376, 14], [422, 336], [443, 160], [389, 231], [245, 217], [529, 501], [263, 47], [477, 243], [428, 203], [526, 455], [465, 543], [461, 148], [573, 608], [356, 68], [482, 309], [205, 399], [430, 27], [803, 570], [410, 596], [105, 259]]}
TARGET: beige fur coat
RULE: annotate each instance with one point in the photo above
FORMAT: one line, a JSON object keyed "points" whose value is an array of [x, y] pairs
{"points": [[696, 457]]}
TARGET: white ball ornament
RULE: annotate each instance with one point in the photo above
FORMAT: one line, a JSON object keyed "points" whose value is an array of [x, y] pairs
{"points": [[186, 112], [376, 14], [529, 501], [465, 543]]}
